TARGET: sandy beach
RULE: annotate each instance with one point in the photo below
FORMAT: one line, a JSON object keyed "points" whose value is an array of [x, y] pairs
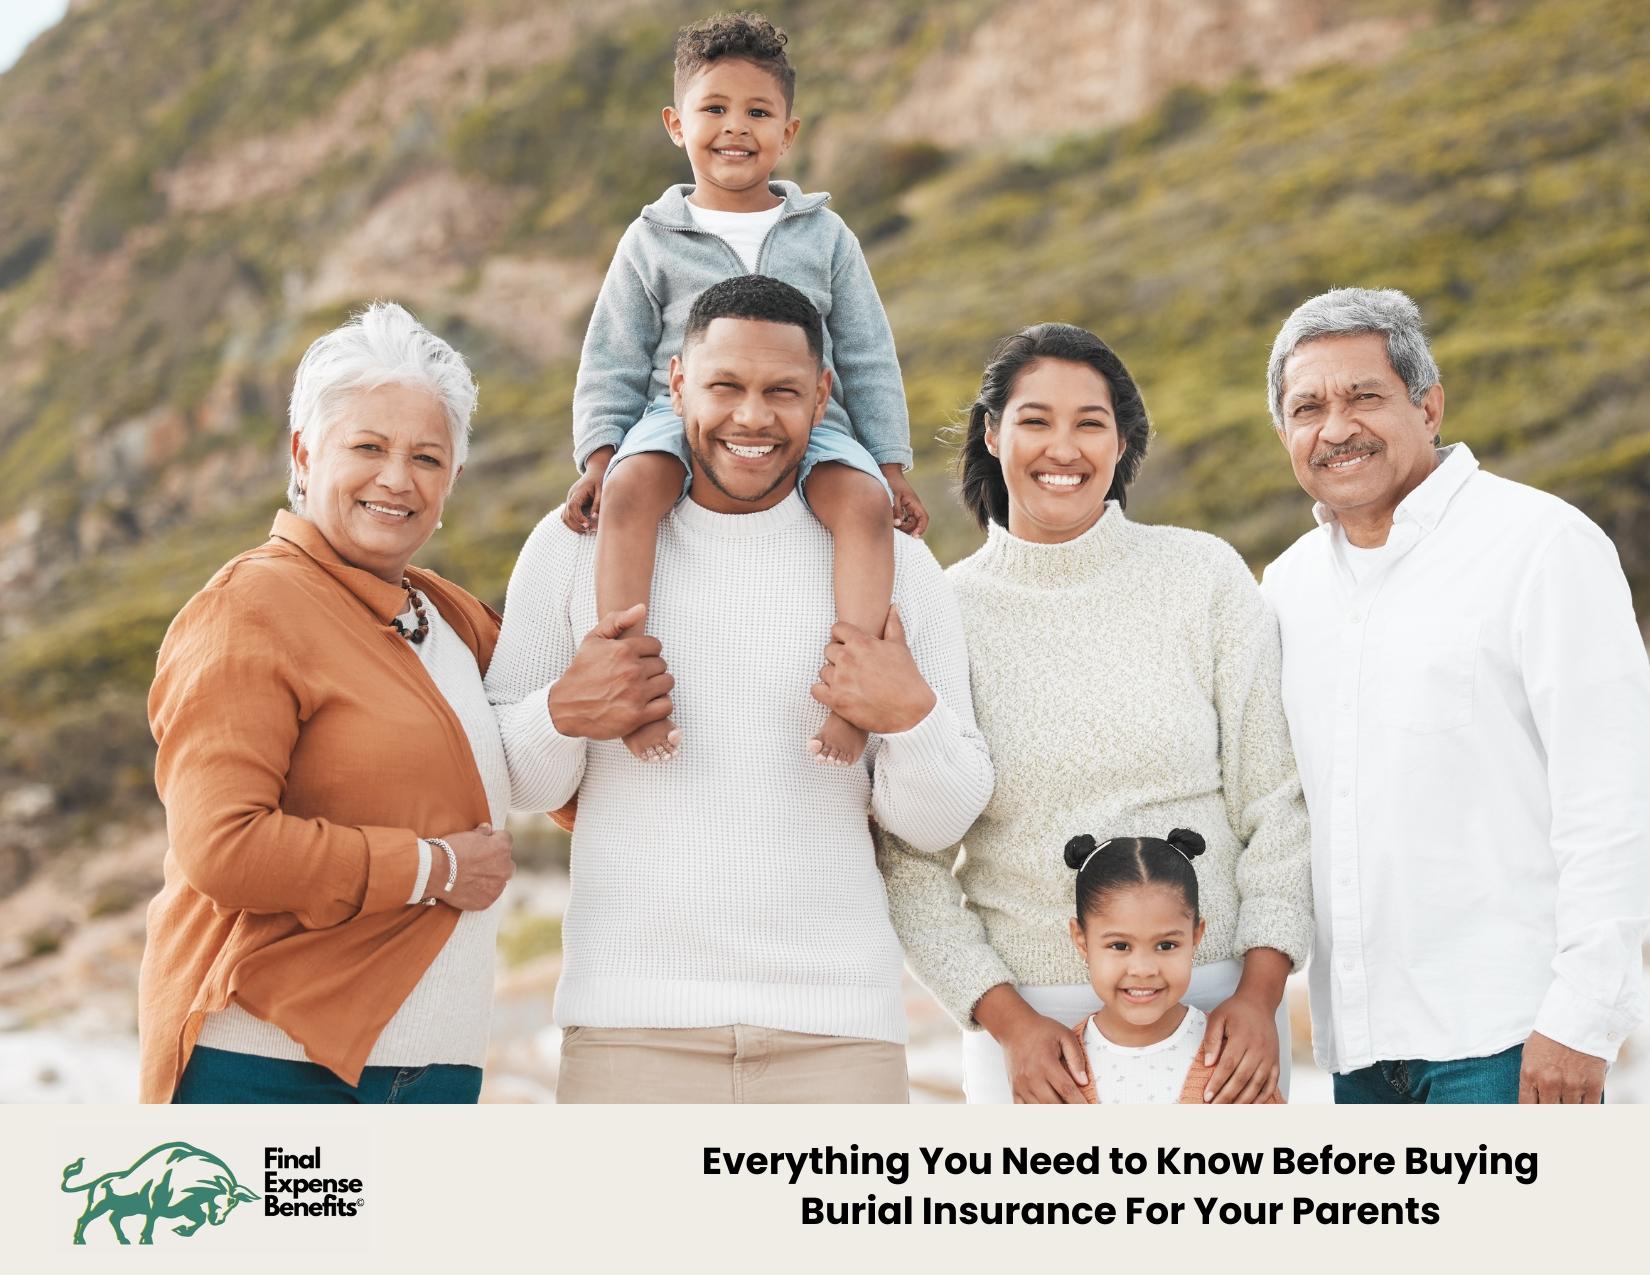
{"points": [[68, 1031]]}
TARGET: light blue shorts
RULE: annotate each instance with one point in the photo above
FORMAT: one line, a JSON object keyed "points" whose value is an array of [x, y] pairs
{"points": [[660, 430]]}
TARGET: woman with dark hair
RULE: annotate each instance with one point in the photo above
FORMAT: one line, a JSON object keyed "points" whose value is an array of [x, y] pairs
{"points": [[1126, 679]]}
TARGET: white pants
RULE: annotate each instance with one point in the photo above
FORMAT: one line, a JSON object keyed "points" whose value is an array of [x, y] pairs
{"points": [[985, 1073]]}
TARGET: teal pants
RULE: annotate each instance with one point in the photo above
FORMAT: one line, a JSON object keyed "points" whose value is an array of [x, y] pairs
{"points": [[1414, 1080], [221, 1076]]}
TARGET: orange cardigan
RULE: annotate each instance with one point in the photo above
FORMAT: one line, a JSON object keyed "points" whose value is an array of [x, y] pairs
{"points": [[303, 750], [1197, 1076]]}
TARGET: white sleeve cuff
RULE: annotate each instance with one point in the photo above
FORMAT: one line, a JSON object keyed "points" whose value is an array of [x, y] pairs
{"points": [[929, 783], [1581, 1023], [422, 880], [926, 743], [545, 765]]}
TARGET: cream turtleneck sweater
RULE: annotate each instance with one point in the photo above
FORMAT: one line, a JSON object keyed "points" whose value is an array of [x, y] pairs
{"points": [[1127, 683]]}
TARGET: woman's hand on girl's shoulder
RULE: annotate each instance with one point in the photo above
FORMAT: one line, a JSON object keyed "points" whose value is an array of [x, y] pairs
{"points": [[1242, 1044], [1044, 1058]]}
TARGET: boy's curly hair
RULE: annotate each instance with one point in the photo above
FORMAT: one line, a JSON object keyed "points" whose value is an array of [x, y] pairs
{"points": [[749, 36]]}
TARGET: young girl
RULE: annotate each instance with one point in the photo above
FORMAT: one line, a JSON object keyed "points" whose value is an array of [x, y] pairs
{"points": [[1137, 929]]}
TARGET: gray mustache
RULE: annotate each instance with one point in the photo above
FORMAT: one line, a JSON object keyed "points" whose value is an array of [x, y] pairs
{"points": [[1343, 450]]}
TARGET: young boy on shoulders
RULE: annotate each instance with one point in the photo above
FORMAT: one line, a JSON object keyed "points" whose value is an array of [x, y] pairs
{"points": [[732, 115]]}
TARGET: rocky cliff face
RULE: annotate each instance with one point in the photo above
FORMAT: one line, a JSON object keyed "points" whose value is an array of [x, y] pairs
{"points": [[185, 201], [431, 230], [1049, 68]]}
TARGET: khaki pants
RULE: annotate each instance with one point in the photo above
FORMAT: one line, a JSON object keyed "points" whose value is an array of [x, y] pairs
{"points": [[726, 1064]]}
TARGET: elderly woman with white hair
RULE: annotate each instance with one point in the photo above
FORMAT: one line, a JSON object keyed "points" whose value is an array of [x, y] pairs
{"points": [[331, 769]]}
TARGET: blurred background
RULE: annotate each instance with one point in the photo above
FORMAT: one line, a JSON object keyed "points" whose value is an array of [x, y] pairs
{"points": [[192, 190]]}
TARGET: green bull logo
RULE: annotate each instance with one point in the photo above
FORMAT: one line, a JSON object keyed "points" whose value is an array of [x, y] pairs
{"points": [[174, 1180]]}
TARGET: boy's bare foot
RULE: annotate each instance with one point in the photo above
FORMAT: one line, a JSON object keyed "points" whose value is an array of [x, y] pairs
{"points": [[657, 741], [839, 742]]}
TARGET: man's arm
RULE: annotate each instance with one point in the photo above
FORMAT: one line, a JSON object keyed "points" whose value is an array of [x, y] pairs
{"points": [[552, 694], [931, 772], [1588, 681], [930, 783], [535, 647]]}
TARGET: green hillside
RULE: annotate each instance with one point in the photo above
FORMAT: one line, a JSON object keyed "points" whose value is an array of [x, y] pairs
{"points": [[1495, 169]]}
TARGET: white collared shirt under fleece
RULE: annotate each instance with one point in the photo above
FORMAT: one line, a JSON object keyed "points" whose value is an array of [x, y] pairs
{"points": [[1470, 711]]}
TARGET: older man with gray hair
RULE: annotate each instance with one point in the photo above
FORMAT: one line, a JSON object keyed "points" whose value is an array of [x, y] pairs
{"points": [[1469, 700]]}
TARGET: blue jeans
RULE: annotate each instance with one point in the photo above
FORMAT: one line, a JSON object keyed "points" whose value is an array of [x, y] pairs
{"points": [[219, 1075], [1462, 1080]]}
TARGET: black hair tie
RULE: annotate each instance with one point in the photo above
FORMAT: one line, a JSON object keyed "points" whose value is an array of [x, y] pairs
{"points": [[1078, 850]]}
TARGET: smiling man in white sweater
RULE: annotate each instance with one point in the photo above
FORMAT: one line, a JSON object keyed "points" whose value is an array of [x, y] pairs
{"points": [[728, 937]]}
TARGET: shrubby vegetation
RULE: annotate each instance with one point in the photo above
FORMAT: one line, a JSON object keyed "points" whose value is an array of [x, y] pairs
{"points": [[1495, 170]]}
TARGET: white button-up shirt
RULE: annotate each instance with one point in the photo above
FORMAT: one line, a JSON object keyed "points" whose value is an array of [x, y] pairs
{"points": [[1470, 711]]}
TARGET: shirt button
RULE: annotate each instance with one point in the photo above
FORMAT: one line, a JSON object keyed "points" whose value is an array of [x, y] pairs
{"points": [[1343, 881], [1344, 791], [1354, 617], [1346, 967]]}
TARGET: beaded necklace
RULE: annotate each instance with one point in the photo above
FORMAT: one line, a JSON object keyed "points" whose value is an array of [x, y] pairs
{"points": [[422, 631]]}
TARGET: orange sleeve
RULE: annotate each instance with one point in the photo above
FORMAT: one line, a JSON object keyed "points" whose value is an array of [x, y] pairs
{"points": [[225, 709]]}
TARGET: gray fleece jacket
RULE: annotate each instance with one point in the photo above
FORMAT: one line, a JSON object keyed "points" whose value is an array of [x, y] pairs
{"points": [[664, 261]]}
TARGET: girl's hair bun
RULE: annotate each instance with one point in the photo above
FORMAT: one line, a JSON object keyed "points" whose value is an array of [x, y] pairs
{"points": [[1079, 848], [1186, 841]]}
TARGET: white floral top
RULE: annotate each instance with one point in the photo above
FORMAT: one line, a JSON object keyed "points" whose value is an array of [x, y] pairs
{"points": [[1147, 1073]]}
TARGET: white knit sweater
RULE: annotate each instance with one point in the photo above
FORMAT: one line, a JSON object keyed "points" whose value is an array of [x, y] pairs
{"points": [[1127, 683], [736, 883], [445, 1017]]}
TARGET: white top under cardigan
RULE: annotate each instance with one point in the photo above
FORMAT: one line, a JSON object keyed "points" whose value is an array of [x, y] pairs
{"points": [[1471, 709], [736, 883], [445, 1017], [1127, 683]]}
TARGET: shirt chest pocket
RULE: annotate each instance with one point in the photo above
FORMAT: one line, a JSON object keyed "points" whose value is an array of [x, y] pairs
{"points": [[1422, 673]]}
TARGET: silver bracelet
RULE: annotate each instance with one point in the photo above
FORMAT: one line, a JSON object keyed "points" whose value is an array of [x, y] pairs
{"points": [[425, 855], [452, 863]]}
